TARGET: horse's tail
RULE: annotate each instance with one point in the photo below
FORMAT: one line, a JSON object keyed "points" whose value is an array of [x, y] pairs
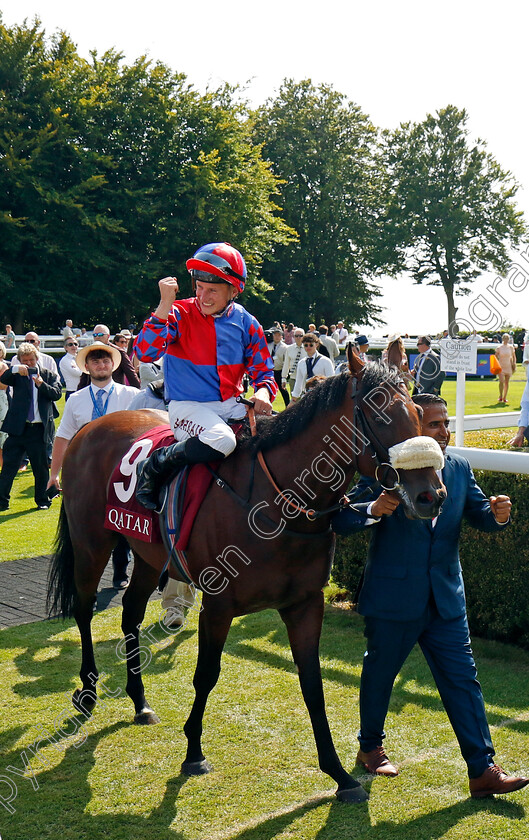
{"points": [[61, 585]]}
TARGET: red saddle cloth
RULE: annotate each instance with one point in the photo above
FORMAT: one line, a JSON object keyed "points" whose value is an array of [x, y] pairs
{"points": [[127, 516]]}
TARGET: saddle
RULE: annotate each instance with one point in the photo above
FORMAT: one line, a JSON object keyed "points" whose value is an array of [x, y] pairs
{"points": [[182, 498]]}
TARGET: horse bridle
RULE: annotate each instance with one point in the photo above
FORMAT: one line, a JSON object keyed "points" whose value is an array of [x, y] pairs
{"points": [[380, 451], [380, 456]]}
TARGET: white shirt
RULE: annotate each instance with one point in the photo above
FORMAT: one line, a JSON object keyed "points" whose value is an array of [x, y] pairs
{"points": [[79, 408], [340, 336], [278, 351], [48, 362], [70, 372], [525, 359], [322, 367], [290, 357]]}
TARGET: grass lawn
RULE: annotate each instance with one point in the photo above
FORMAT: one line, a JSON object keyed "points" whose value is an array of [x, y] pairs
{"points": [[27, 532], [481, 395], [106, 778]]}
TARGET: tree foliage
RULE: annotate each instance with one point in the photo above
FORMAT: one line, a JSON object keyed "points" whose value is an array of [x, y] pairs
{"points": [[323, 148], [111, 175], [451, 209]]}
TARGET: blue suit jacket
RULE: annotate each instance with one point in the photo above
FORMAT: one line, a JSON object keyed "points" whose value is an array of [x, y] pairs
{"points": [[408, 559]]}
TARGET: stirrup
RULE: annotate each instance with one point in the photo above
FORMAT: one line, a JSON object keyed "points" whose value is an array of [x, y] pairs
{"points": [[162, 499]]}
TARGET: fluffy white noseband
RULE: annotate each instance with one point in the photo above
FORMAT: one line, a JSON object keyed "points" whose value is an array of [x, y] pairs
{"points": [[416, 453]]}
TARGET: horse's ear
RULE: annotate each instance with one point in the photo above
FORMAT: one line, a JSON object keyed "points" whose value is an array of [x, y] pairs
{"points": [[356, 364], [394, 357]]}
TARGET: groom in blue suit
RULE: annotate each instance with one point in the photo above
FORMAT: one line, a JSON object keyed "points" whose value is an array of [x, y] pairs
{"points": [[413, 592]]}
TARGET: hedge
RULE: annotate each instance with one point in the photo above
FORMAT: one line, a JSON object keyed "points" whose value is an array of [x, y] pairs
{"points": [[495, 566]]}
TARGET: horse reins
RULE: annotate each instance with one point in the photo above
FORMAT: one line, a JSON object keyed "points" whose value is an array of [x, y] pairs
{"points": [[368, 433]]}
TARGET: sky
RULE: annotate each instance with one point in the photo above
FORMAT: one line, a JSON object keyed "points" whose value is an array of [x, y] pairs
{"points": [[398, 61]]}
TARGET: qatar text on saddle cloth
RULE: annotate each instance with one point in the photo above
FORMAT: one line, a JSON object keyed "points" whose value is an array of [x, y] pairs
{"points": [[127, 516]]}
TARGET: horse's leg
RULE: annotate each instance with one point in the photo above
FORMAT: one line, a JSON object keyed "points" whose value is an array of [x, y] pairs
{"points": [[88, 571], [85, 699], [213, 628], [303, 622], [141, 586]]}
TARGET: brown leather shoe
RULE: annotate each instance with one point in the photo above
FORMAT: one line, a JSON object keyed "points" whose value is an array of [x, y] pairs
{"points": [[376, 762], [495, 780]]}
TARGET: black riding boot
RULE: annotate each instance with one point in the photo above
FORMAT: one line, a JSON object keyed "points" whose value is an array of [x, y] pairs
{"points": [[167, 461]]}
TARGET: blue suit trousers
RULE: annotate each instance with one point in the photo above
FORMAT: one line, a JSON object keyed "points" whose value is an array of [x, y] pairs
{"points": [[446, 647]]}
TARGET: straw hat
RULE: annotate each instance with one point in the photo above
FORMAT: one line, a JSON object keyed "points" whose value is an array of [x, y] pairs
{"points": [[98, 345]]}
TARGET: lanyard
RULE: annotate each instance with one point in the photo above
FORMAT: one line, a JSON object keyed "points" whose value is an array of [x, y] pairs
{"points": [[105, 404]]}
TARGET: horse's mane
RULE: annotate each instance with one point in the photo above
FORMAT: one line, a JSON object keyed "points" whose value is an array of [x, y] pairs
{"points": [[377, 374], [326, 396]]}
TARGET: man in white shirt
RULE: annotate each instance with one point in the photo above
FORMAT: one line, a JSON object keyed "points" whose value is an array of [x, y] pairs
{"points": [[293, 354], [277, 349], [99, 361], [314, 364], [70, 370], [45, 360], [340, 334], [102, 396]]}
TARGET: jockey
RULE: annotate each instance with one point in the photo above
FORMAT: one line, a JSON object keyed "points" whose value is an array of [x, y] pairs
{"points": [[209, 342]]}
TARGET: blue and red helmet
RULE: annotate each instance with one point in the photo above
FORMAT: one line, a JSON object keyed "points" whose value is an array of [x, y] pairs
{"points": [[218, 259]]}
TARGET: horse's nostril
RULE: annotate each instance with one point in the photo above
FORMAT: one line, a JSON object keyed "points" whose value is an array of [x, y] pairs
{"points": [[425, 498]]}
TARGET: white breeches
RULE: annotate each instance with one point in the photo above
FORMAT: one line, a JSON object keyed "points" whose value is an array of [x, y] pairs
{"points": [[207, 421]]}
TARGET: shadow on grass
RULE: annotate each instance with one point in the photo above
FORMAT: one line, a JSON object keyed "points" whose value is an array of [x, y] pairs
{"points": [[57, 672], [12, 515], [414, 684], [354, 821], [59, 805]]}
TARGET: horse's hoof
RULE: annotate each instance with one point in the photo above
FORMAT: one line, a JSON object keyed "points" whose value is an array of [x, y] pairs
{"points": [[146, 717], [352, 794], [83, 704], [196, 768]]}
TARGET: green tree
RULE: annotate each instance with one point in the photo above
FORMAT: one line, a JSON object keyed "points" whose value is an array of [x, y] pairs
{"points": [[323, 149], [111, 175], [47, 180], [451, 209]]}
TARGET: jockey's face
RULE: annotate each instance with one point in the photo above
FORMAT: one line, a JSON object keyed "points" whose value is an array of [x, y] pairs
{"points": [[214, 297]]}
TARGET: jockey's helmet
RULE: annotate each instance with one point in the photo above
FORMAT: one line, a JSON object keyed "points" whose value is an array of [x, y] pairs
{"points": [[218, 262]]}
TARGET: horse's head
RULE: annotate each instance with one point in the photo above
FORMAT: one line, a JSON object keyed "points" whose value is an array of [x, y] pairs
{"points": [[388, 426]]}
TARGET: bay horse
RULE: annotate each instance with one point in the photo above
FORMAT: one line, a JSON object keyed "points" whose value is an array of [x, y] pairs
{"points": [[278, 534]]}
